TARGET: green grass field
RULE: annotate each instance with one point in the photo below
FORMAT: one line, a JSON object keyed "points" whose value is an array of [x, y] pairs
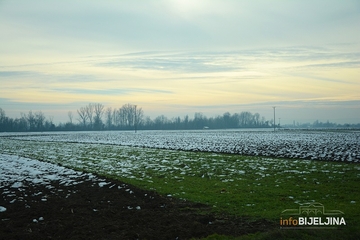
{"points": [[257, 187]]}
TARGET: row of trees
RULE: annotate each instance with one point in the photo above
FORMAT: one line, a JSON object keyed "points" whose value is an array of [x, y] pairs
{"points": [[95, 116], [91, 117], [27, 122], [227, 120], [319, 124], [129, 116]]}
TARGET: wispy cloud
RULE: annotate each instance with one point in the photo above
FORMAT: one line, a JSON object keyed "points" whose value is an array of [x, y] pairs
{"points": [[13, 74], [340, 64], [113, 91], [189, 63], [295, 104], [225, 61]]}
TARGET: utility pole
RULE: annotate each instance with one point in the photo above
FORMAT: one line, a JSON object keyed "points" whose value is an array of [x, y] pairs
{"points": [[274, 118], [135, 120]]}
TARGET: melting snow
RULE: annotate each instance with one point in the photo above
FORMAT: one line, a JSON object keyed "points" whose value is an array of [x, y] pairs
{"points": [[17, 173], [322, 145]]}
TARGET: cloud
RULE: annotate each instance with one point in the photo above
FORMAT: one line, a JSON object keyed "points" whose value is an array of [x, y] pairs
{"points": [[113, 91], [315, 103], [11, 74], [341, 64], [294, 58], [186, 62]]}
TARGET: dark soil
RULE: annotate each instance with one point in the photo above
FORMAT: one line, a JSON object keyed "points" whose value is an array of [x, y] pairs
{"points": [[114, 211]]}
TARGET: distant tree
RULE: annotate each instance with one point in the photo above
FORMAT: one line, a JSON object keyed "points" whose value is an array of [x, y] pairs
{"points": [[89, 109], [199, 120], [71, 116], [21, 124], [98, 111], [139, 115], [122, 116], [49, 125], [31, 120], [177, 122], [263, 121], [39, 120], [115, 117], [127, 115], [245, 119], [82, 116], [161, 121], [2, 120], [186, 121], [109, 117], [256, 119], [2, 115], [226, 120], [148, 122]]}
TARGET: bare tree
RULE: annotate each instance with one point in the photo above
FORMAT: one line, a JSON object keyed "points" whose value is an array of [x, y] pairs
{"points": [[148, 122], [99, 111], [257, 119], [139, 116], [123, 120], [245, 119], [71, 116], [115, 117], [126, 115], [89, 112], [39, 120], [82, 116], [2, 120], [2, 115], [109, 117], [30, 118], [49, 124], [161, 120]]}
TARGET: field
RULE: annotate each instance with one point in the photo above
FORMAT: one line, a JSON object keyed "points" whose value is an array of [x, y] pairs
{"points": [[245, 179], [321, 145]]}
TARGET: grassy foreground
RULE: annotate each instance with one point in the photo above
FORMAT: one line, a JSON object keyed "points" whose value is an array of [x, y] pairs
{"points": [[256, 187]]}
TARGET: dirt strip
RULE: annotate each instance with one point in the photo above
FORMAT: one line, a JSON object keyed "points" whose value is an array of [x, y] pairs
{"points": [[109, 210]]}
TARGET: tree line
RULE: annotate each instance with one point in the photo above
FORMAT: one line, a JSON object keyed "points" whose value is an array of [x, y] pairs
{"points": [[95, 116]]}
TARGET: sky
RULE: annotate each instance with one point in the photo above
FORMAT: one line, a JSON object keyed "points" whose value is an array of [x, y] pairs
{"points": [[178, 57]]}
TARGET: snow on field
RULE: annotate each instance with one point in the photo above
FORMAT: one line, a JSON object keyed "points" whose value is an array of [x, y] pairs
{"points": [[144, 164], [150, 165], [321, 145], [19, 173]]}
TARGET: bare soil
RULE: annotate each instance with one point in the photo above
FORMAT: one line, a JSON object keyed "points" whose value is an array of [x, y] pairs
{"points": [[113, 211]]}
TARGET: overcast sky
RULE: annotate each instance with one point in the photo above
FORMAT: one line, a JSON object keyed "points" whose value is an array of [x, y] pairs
{"points": [[178, 57]]}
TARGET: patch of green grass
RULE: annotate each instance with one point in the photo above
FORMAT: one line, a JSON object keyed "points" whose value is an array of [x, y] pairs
{"points": [[257, 187]]}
